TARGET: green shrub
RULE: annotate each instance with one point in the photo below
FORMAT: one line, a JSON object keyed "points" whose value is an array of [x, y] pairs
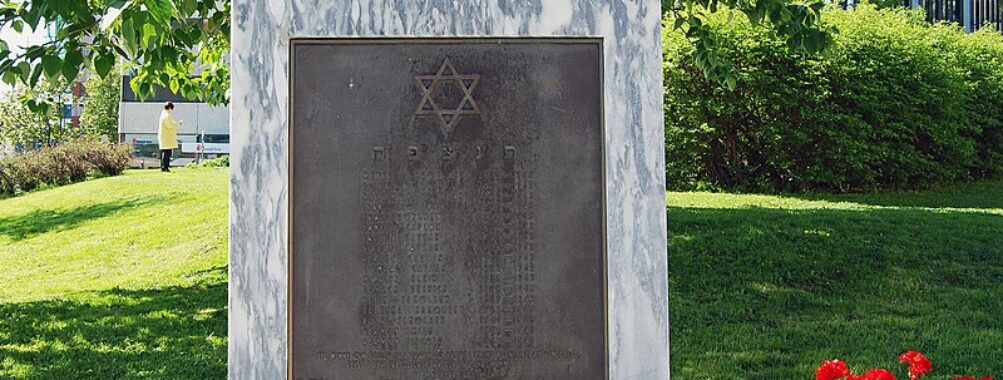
{"points": [[67, 163], [218, 162], [106, 159], [896, 102]]}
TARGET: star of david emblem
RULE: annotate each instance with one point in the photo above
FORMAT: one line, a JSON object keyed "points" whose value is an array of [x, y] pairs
{"points": [[447, 115]]}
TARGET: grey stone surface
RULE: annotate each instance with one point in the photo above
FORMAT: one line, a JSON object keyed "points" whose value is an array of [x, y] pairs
{"points": [[638, 294]]}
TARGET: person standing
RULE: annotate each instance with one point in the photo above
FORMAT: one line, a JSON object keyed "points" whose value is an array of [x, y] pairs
{"points": [[167, 136]]}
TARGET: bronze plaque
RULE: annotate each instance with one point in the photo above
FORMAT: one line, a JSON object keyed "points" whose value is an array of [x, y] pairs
{"points": [[447, 209]]}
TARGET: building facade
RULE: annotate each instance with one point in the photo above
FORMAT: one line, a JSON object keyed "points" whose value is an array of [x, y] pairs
{"points": [[138, 121]]}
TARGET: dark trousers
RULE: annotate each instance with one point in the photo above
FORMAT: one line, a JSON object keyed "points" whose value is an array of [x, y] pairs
{"points": [[165, 160]]}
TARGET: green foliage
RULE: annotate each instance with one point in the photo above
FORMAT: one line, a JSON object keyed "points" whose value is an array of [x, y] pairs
{"points": [[894, 102], [116, 278], [30, 115], [61, 165], [100, 113], [218, 162], [797, 23], [164, 42], [766, 287], [985, 81]]}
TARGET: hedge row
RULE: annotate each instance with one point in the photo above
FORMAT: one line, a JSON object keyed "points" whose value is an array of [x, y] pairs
{"points": [[67, 163], [896, 102]]}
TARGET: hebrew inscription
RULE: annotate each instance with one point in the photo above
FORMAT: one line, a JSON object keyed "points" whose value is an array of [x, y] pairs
{"points": [[447, 210]]}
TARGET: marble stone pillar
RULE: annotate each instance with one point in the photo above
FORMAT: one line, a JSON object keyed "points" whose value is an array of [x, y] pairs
{"points": [[637, 269]]}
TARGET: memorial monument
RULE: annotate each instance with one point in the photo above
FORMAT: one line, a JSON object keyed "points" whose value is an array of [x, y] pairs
{"points": [[447, 190]]}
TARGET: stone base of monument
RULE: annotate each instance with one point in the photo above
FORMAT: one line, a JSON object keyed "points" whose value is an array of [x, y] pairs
{"points": [[446, 190]]}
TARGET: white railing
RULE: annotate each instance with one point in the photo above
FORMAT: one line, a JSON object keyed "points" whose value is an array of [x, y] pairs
{"points": [[971, 14]]}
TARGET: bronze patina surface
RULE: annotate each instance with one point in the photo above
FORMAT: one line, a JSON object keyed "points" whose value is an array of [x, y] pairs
{"points": [[447, 210]]}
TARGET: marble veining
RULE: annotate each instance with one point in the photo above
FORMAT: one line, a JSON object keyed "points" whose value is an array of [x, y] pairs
{"points": [[638, 292]]}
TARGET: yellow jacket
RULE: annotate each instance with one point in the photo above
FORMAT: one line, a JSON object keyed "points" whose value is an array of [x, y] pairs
{"points": [[167, 135]]}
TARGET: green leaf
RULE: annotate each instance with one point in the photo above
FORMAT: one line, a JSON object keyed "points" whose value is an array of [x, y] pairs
{"points": [[103, 64], [815, 41], [33, 16], [160, 10], [24, 69], [51, 64], [129, 34], [35, 74], [71, 65], [118, 49], [10, 77], [81, 10], [18, 26], [149, 34], [34, 52], [60, 7], [135, 83], [188, 7]]}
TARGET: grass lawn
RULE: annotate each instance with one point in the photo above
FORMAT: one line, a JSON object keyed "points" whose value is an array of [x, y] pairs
{"points": [[766, 287], [116, 278], [125, 277]]}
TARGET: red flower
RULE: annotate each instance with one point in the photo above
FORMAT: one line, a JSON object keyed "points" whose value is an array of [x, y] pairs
{"points": [[918, 364], [832, 370], [875, 374], [971, 378]]}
